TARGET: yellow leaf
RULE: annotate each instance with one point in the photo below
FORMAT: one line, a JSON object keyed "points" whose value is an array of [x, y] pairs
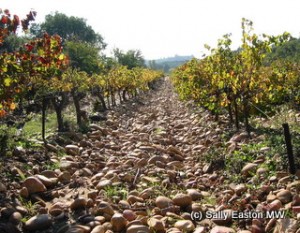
{"points": [[61, 57], [12, 106], [7, 82]]}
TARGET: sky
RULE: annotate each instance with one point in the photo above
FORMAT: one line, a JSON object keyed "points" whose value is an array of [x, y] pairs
{"points": [[164, 28]]}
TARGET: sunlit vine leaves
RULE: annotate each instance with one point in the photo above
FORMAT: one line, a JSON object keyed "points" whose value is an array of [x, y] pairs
{"points": [[236, 81], [12, 76]]}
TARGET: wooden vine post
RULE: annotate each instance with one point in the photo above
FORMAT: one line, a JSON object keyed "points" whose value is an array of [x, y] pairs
{"points": [[289, 148]]}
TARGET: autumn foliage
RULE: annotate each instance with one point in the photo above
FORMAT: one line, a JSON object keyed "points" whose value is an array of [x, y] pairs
{"points": [[10, 63], [238, 82], [40, 59], [42, 69], [10, 23]]}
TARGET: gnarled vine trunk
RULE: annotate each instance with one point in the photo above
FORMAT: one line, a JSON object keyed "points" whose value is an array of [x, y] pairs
{"points": [[59, 102]]}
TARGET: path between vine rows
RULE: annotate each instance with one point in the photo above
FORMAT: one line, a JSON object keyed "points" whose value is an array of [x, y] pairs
{"points": [[141, 171]]}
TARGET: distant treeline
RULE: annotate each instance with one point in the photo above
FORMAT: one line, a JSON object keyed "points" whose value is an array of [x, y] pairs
{"points": [[167, 64]]}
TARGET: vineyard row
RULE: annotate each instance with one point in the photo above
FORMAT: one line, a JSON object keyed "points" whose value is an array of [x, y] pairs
{"points": [[241, 82]]}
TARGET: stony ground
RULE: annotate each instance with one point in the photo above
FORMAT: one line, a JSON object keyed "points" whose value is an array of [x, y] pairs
{"points": [[143, 170]]}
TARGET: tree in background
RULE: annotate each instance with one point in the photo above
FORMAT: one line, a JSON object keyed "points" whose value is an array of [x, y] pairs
{"points": [[131, 59], [288, 51], [72, 29], [83, 56]]}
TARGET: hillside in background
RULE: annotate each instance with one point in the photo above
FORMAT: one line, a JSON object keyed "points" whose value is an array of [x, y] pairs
{"points": [[169, 63], [288, 51]]}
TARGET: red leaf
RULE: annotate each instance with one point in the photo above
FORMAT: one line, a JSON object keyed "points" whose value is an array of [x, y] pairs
{"points": [[16, 20], [29, 47], [4, 19], [2, 113], [43, 60]]}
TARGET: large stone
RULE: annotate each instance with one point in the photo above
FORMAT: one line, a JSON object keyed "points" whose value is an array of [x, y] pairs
{"points": [[24, 192], [194, 194], [46, 181], [103, 183], [156, 225], [55, 211], [163, 202], [66, 165], [78, 203], [72, 149], [51, 147], [284, 196], [200, 229], [49, 174], [64, 177], [239, 137], [294, 185], [225, 219], [131, 199], [79, 229], [34, 185], [129, 215], [154, 159], [220, 229], [118, 222], [138, 229], [147, 193], [182, 200], [99, 229], [39, 222], [249, 169], [15, 218], [240, 189], [185, 225], [275, 205], [105, 208]]}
